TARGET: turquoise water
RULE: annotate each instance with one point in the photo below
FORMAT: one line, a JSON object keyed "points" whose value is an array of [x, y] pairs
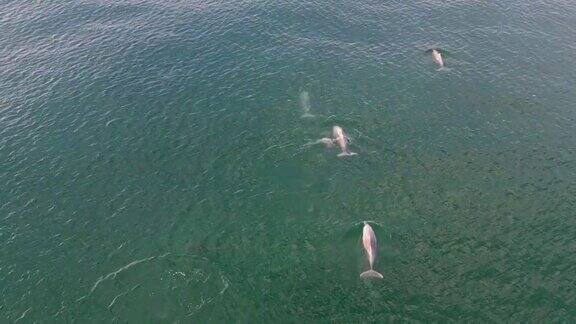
{"points": [[155, 166]]}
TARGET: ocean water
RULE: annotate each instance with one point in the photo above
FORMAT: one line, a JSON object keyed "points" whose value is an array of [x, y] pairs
{"points": [[155, 166]]}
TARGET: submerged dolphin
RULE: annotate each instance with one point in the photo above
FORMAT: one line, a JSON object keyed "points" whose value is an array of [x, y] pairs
{"points": [[437, 58], [342, 140], [305, 103], [371, 246]]}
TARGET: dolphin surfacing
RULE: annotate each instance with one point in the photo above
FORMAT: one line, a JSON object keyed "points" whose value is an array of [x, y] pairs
{"points": [[342, 140], [437, 58], [370, 244]]}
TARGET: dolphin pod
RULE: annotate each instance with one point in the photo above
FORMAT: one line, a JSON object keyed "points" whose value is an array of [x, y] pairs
{"points": [[340, 138]]}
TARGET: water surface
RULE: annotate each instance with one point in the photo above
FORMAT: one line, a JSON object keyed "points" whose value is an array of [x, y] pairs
{"points": [[155, 167]]}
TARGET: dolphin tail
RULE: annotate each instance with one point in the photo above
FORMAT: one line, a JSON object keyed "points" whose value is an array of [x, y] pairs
{"points": [[371, 274], [347, 154], [443, 69]]}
